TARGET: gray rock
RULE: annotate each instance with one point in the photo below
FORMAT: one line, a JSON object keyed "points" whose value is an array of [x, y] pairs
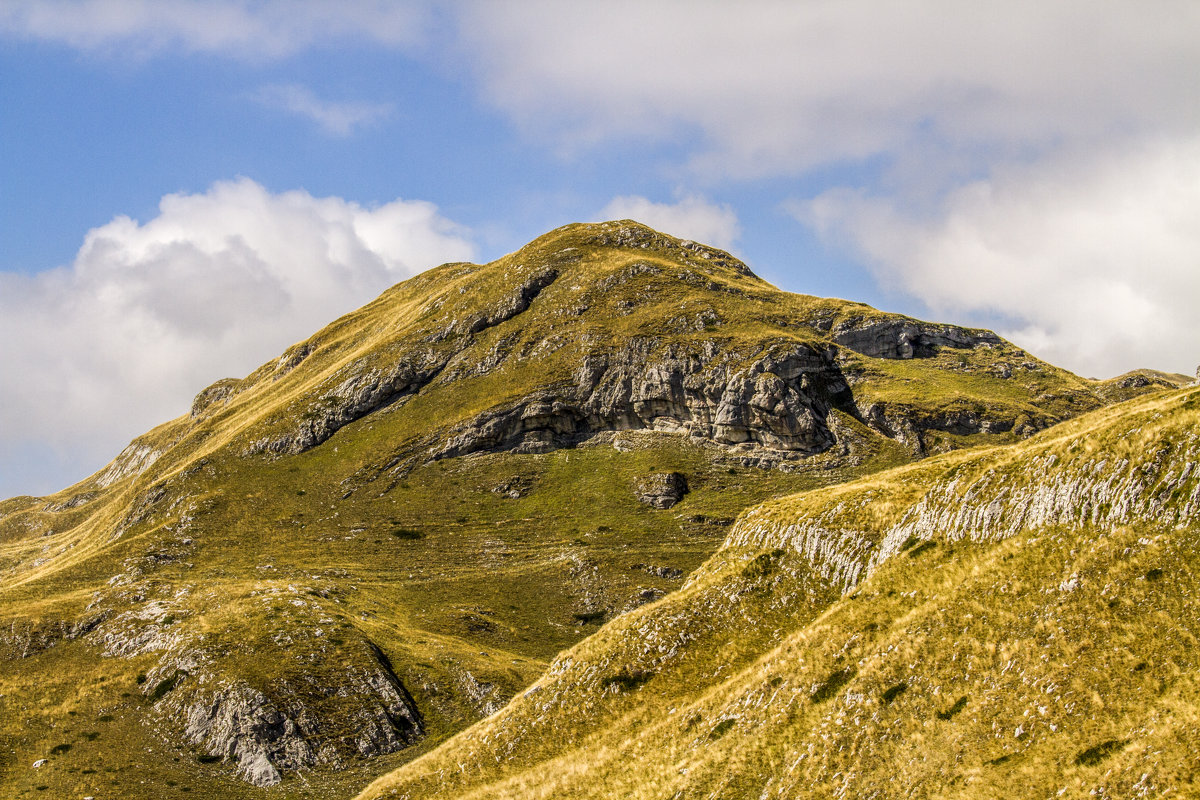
{"points": [[670, 573], [291, 358], [515, 487], [299, 716], [1076, 489], [766, 404], [641, 597], [898, 337], [630, 234], [1135, 381], [366, 386], [135, 459], [776, 400], [662, 489], [83, 498], [265, 736], [219, 392]]}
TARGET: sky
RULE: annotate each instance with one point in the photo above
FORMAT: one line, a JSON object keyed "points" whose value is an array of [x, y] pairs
{"points": [[186, 188]]}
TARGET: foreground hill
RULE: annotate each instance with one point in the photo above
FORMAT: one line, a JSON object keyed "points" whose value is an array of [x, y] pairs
{"points": [[343, 559], [1024, 616]]}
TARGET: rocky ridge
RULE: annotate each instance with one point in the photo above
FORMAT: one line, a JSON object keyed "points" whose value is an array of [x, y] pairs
{"points": [[767, 400], [1070, 486]]}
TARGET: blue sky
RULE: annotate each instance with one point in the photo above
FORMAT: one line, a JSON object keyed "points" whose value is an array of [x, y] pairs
{"points": [[186, 187]]}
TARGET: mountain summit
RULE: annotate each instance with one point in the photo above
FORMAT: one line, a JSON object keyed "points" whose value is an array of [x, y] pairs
{"points": [[335, 564]]}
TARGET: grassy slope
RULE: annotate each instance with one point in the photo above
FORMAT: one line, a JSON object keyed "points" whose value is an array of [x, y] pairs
{"points": [[1058, 657], [493, 587], [240, 553]]}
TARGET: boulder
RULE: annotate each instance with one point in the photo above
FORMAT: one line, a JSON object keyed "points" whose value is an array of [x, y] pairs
{"points": [[662, 489]]}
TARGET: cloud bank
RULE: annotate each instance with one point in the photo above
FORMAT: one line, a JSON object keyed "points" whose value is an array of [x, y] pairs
{"points": [[784, 86], [150, 313], [1095, 258]]}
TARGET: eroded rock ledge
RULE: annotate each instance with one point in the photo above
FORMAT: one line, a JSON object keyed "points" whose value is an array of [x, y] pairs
{"points": [[778, 402]]}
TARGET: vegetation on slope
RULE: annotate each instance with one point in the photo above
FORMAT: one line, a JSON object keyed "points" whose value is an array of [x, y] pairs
{"points": [[1036, 626], [341, 560]]}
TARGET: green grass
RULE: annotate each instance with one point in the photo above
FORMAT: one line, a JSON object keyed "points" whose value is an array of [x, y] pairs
{"points": [[1045, 658], [243, 555]]}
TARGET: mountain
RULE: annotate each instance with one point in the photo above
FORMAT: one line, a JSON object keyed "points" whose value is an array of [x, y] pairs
{"points": [[334, 565]]}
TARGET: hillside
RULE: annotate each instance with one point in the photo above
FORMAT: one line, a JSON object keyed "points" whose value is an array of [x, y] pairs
{"points": [[333, 565], [1023, 616]]}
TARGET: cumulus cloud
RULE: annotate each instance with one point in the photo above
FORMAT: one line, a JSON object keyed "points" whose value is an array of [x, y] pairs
{"points": [[781, 85], [1094, 256], [337, 118], [219, 282], [244, 28], [690, 217]]}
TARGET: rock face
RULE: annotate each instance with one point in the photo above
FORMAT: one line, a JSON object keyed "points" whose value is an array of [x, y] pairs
{"points": [[265, 737], [219, 392], [897, 337], [662, 489], [778, 402], [1160, 483], [367, 386], [294, 716], [767, 400]]}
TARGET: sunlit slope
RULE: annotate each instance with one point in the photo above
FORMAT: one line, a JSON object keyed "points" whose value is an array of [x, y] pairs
{"points": [[1009, 617], [335, 563]]}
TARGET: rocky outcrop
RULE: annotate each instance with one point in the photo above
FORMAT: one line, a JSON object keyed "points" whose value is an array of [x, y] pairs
{"points": [[363, 389], [219, 392], [74, 501], [662, 489], [1051, 487], [898, 422], [777, 401], [366, 386], [516, 302], [135, 459], [900, 337], [291, 358], [266, 736], [329, 695], [630, 234]]}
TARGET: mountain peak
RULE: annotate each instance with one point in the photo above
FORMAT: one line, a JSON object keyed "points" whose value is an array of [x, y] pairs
{"points": [[630, 234]]}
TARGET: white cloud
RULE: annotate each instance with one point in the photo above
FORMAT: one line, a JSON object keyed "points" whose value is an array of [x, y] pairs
{"points": [[1095, 256], [335, 118], [756, 88], [244, 28], [691, 217], [779, 85], [150, 313]]}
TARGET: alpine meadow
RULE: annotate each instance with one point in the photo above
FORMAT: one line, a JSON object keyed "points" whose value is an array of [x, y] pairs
{"points": [[613, 517], [636, 400]]}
